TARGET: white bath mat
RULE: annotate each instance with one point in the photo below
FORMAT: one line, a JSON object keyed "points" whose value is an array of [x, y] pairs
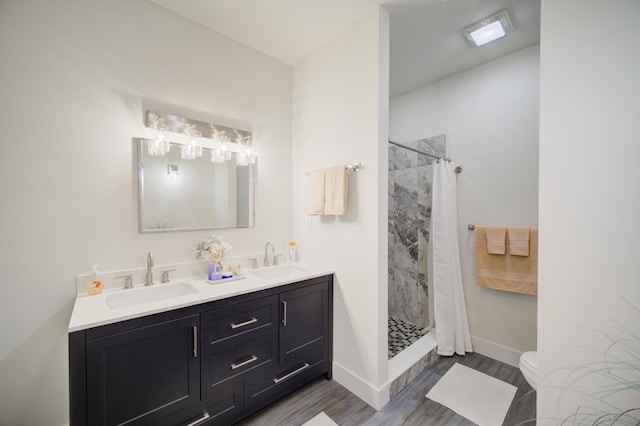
{"points": [[474, 395], [321, 420]]}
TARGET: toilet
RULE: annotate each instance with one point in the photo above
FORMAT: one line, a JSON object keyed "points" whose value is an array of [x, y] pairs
{"points": [[529, 367]]}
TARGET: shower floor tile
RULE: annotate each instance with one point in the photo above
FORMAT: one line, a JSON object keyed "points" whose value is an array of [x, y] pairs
{"points": [[401, 335]]}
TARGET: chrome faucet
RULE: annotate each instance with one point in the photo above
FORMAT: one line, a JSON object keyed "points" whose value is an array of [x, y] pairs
{"points": [[266, 256], [149, 277]]}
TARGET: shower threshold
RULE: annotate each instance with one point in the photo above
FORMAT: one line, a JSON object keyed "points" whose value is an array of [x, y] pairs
{"points": [[408, 364]]}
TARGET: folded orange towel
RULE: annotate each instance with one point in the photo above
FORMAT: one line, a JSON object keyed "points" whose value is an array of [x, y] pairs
{"points": [[518, 274], [518, 240], [495, 239]]}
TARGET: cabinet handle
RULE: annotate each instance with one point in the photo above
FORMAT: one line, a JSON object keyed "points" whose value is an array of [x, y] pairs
{"points": [[195, 341], [204, 417], [284, 314], [242, 324], [242, 364], [293, 373]]}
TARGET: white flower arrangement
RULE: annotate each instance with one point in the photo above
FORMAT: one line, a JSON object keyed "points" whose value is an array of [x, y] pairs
{"points": [[213, 248]]}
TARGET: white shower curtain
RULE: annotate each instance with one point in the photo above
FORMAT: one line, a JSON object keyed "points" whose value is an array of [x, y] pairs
{"points": [[452, 326]]}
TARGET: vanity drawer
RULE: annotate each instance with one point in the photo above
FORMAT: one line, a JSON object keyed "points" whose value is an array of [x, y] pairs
{"points": [[237, 357], [267, 387], [223, 408], [228, 322]]}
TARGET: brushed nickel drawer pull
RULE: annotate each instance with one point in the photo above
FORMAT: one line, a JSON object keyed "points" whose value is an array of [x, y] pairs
{"points": [[204, 417], [243, 363], [284, 313], [293, 373], [195, 341], [242, 324]]}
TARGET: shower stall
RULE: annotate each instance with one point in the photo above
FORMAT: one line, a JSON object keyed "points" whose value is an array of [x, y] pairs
{"points": [[410, 189]]}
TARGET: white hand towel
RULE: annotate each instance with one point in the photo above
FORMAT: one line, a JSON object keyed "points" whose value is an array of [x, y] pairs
{"points": [[336, 188], [496, 239], [316, 192], [518, 240]]}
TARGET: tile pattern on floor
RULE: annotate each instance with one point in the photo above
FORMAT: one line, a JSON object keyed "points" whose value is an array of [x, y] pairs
{"points": [[401, 335]]}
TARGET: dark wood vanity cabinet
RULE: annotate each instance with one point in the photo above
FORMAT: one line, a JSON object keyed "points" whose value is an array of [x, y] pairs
{"points": [[213, 363]]}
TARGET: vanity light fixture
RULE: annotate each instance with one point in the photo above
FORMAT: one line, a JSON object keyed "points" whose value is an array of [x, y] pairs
{"points": [[195, 134], [159, 145], [220, 153], [246, 155], [191, 150], [489, 29]]}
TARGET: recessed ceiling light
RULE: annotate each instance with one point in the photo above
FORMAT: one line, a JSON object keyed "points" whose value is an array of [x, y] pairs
{"points": [[489, 29]]}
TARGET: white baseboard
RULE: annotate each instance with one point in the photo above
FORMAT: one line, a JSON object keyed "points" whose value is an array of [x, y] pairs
{"points": [[376, 398], [496, 351]]}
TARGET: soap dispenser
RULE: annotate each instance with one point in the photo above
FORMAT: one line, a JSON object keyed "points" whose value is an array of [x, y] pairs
{"points": [[291, 256], [94, 285]]}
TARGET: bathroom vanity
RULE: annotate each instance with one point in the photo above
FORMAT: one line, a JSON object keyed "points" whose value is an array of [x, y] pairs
{"points": [[214, 361]]}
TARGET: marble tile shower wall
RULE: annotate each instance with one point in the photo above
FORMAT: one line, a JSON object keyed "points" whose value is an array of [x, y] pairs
{"points": [[410, 179]]}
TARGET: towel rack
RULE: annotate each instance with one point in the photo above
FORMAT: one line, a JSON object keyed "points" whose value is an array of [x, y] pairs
{"points": [[354, 167]]}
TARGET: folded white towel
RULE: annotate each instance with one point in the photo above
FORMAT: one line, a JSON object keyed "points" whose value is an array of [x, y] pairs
{"points": [[496, 239], [316, 192], [336, 188], [518, 240]]}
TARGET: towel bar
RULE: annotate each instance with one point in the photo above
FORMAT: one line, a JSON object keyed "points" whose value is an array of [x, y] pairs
{"points": [[354, 167]]}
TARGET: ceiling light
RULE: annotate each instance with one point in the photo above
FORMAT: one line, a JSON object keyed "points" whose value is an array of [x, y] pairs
{"points": [[489, 29]]}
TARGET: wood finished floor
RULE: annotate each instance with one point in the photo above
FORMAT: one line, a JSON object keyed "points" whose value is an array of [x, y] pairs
{"points": [[410, 407]]}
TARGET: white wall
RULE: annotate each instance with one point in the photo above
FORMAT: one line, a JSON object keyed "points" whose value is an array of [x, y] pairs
{"points": [[589, 210], [490, 114], [340, 99], [75, 80]]}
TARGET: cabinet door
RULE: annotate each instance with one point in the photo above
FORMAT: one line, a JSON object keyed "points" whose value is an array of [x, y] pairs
{"points": [[138, 376], [304, 319]]}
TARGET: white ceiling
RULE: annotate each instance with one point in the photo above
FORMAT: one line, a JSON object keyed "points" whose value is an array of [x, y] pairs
{"points": [[426, 39]]}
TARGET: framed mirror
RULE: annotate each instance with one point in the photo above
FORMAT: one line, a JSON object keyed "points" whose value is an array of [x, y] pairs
{"points": [[182, 195]]}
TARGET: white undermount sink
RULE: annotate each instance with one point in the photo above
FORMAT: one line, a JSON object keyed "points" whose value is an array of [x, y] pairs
{"points": [[142, 295], [275, 271]]}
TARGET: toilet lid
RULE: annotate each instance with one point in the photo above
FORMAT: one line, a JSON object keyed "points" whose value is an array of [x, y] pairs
{"points": [[531, 359]]}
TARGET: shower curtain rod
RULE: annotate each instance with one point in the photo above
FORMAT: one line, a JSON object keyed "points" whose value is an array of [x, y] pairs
{"points": [[418, 151]]}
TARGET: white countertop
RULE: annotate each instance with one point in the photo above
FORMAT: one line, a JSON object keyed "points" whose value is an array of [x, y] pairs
{"points": [[92, 311]]}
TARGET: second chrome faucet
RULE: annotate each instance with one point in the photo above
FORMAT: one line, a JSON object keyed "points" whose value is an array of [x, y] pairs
{"points": [[149, 277], [266, 255]]}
